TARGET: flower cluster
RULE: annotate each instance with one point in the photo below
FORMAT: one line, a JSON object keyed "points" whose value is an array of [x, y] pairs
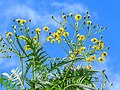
{"points": [[58, 35], [77, 43]]}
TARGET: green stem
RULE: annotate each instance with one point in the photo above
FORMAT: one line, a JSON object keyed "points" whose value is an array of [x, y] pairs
{"points": [[67, 73], [102, 81], [64, 48], [22, 67]]}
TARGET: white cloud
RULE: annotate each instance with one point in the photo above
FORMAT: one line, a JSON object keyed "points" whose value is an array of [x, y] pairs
{"points": [[75, 8]]}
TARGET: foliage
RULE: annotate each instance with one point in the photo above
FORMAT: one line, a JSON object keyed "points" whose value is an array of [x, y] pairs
{"points": [[38, 71]]}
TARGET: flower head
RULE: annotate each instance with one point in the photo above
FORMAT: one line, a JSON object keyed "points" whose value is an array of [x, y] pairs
{"points": [[89, 22], [78, 35], [78, 17], [22, 22], [53, 41], [101, 59], [46, 28], [64, 16], [61, 29], [9, 34], [49, 38], [59, 33], [38, 30], [66, 34], [27, 47], [70, 14], [94, 40], [72, 56], [89, 67], [104, 54], [35, 38], [78, 51], [93, 57], [81, 37], [82, 48], [101, 45], [88, 59], [56, 36]]}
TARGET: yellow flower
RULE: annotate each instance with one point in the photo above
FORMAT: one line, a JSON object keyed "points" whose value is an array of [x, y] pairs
{"points": [[82, 48], [64, 16], [78, 17], [78, 35], [101, 59], [81, 38], [70, 14], [9, 34], [101, 45], [38, 30], [61, 29], [66, 34], [59, 39], [89, 22], [94, 40], [46, 28], [70, 52], [59, 33], [56, 35], [89, 67], [36, 43], [88, 59], [49, 38], [93, 57], [53, 41], [72, 56], [22, 22], [27, 47], [104, 54], [35, 38], [95, 47], [77, 51]]}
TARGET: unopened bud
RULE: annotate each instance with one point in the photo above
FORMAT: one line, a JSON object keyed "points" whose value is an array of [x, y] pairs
{"points": [[103, 71], [89, 16], [84, 17], [101, 27], [52, 17], [101, 36], [86, 12], [108, 47], [29, 20], [105, 28], [50, 33], [93, 26]]}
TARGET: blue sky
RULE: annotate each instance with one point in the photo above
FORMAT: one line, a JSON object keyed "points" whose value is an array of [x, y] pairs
{"points": [[104, 12]]}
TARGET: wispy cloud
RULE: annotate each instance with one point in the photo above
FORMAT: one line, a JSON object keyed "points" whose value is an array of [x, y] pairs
{"points": [[39, 18], [75, 7]]}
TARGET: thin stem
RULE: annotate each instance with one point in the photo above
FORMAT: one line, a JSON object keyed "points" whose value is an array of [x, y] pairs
{"points": [[67, 73], [64, 48], [103, 81], [22, 66]]}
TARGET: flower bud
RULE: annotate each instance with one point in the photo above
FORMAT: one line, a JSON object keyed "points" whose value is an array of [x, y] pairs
{"points": [[52, 17], [86, 12], [108, 47], [29, 20], [89, 16], [105, 28], [101, 36], [94, 26], [84, 17]]}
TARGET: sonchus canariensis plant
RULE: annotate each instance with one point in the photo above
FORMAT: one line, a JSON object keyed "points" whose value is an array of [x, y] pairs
{"points": [[38, 71]]}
